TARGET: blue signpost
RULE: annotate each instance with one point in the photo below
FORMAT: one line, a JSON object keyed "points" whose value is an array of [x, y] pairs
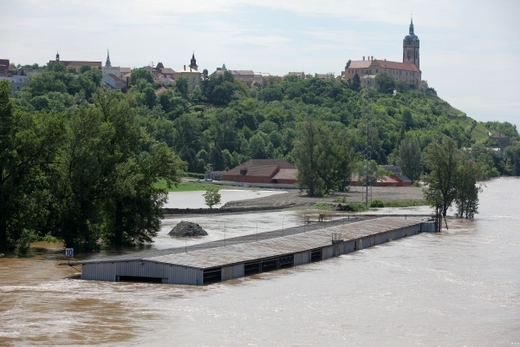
{"points": [[69, 252]]}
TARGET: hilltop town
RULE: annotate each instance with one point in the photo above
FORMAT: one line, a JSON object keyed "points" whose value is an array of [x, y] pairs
{"points": [[117, 77]]}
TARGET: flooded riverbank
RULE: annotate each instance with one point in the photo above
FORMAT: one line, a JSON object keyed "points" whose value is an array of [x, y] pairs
{"points": [[457, 288]]}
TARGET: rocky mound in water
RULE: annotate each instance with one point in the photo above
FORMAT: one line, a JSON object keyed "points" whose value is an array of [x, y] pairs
{"points": [[187, 229]]}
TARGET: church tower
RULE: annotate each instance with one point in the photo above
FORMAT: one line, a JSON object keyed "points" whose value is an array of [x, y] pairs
{"points": [[411, 48]]}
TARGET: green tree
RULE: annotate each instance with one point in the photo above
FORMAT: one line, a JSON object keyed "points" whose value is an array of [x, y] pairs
{"points": [[512, 157], [217, 159], [181, 84], [306, 153], [466, 198], [212, 196], [132, 204], [107, 186], [29, 145], [140, 74], [79, 187], [385, 83], [440, 158], [409, 159], [402, 86], [355, 83]]}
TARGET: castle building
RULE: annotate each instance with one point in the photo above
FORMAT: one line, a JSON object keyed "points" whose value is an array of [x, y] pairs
{"points": [[408, 70]]}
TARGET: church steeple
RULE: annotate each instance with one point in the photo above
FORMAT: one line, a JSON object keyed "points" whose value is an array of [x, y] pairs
{"points": [[107, 63], [193, 62], [57, 56], [411, 27]]}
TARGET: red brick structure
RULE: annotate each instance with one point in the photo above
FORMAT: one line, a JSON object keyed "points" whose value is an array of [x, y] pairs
{"points": [[402, 181], [4, 65], [385, 181], [263, 171]]}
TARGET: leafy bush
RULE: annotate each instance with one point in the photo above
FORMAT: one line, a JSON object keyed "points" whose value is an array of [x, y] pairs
{"points": [[23, 245], [377, 203], [357, 207]]}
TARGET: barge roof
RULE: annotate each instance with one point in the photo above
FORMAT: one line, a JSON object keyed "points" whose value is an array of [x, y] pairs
{"points": [[233, 251]]}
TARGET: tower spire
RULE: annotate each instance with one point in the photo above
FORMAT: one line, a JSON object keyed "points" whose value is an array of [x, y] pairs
{"points": [[107, 63], [193, 62]]}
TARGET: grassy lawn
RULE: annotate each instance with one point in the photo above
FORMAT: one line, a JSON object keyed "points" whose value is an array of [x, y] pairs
{"points": [[405, 203], [185, 186]]}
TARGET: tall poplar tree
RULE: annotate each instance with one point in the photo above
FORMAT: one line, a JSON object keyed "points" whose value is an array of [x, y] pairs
{"points": [[409, 159], [306, 153]]}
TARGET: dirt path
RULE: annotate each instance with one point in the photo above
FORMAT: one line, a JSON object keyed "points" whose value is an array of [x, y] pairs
{"points": [[296, 199]]}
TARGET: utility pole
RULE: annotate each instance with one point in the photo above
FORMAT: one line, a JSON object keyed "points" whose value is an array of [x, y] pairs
{"points": [[367, 157]]}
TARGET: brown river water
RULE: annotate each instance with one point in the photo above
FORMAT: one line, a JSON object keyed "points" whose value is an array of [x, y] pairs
{"points": [[457, 288]]}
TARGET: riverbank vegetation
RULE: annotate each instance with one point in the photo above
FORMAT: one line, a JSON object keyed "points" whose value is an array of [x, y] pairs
{"points": [[82, 163]]}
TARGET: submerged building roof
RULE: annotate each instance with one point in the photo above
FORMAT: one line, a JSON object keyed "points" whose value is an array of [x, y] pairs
{"points": [[233, 253]]}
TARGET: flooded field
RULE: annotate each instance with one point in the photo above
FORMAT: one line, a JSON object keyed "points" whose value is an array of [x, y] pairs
{"points": [[195, 199]]}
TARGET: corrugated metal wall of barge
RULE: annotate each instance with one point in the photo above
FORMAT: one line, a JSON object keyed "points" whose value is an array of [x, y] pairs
{"points": [[381, 238], [302, 258], [349, 246], [99, 271], [327, 252], [230, 272], [172, 274]]}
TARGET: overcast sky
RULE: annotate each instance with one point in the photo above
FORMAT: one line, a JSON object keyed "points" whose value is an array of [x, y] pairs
{"points": [[470, 49]]}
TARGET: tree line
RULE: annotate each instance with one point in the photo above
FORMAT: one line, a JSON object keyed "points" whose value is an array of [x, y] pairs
{"points": [[79, 162]]}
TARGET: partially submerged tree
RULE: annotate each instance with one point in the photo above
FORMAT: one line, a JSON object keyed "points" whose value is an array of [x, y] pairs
{"points": [[440, 158], [467, 176], [29, 144], [453, 178]]}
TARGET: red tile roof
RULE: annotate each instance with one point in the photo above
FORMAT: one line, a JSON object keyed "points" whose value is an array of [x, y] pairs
{"points": [[78, 64], [359, 64], [398, 66], [260, 167], [286, 174], [365, 64]]}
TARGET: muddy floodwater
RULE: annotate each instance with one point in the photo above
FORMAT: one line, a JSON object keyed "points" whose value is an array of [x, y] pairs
{"points": [[457, 288]]}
